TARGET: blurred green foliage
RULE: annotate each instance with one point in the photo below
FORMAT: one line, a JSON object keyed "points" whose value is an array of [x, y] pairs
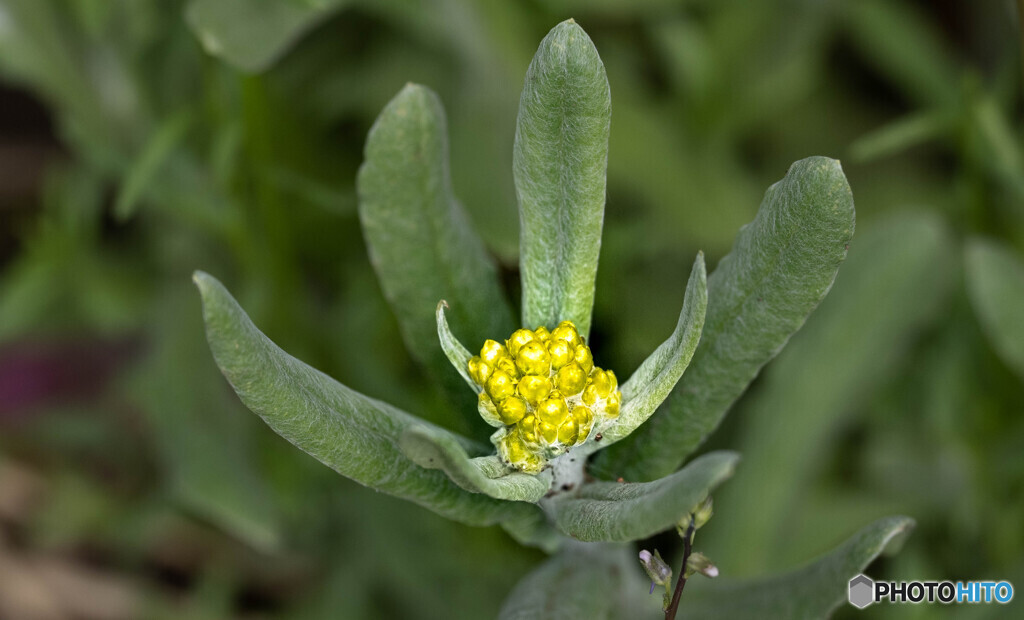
{"points": [[226, 135]]}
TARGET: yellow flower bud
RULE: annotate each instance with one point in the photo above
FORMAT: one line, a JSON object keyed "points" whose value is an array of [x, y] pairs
{"points": [[507, 366], [517, 454], [584, 419], [542, 334], [479, 370], [584, 358], [566, 331], [528, 429], [612, 404], [518, 339], [561, 353], [533, 358], [590, 394], [552, 411], [569, 432], [548, 433], [571, 379], [492, 351], [602, 383], [512, 409], [499, 386], [534, 389]]}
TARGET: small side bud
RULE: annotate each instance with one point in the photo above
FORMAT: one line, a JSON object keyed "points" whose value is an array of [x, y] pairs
{"points": [[656, 568], [699, 563], [703, 513]]}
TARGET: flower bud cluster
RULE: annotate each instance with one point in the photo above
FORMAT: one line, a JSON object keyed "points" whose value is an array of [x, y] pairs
{"points": [[542, 389]]}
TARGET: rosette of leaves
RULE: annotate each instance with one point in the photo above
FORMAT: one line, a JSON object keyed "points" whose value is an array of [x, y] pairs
{"points": [[577, 507]]}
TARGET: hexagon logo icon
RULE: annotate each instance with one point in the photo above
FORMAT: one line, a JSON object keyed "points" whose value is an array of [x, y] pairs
{"points": [[861, 591]]}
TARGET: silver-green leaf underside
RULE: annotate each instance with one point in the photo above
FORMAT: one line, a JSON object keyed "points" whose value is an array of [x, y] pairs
{"points": [[428, 447], [353, 434], [622, 511], [456, 353], [420, 240], [560, 161], [995, 284], [253, 34], [583, 581], [781, 267], [810, 592], [654, 380]]}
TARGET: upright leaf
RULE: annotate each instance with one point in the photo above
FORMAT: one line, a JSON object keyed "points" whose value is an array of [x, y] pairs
{"points": [[624, 511], [995, 283], [560, 160], [891, 289], [810, 592], [353, 434], [781, 267], [420, 240], [253, 34]]}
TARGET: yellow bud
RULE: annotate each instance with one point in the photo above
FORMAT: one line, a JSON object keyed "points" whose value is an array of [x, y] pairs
{"points": [[584, 419], [534, 389], [584, 358], [533, 358], [492, 351], [568, 432], [611, 405], [548, 433], [552, 411], [479, 370], [571, 379], [566, 331], [528, 429], [485, 401], [602, 383], [507, 366], [542, 334], [512, 409], [590, 394], [613, 381], [518, 339], [561, 353], [517, 454], [500, 386]]}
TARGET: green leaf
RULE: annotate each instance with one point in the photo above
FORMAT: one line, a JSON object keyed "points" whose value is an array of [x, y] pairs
{"points": [[781, 267], [621, 511], [890, 291], [583, 581], [433, 449], [560, 160], [810, 592], [654, 380], [420, 240], [995, 284], [457, 354], [353, 434], [253, 34]]}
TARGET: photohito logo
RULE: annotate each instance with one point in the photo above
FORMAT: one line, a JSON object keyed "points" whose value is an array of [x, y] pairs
{"points": [[865, 591]]}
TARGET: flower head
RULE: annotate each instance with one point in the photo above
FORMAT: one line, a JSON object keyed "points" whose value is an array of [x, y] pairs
{"points": [[543, 391]]}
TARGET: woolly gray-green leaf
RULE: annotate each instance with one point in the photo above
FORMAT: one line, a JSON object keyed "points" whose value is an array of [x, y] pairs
{"points": [[622, 511], [253, 34], [781, 267], [810, 592], [420, 240], [560, 160], [892, 288], [435, 449], [583, 581], [456, 353], [654, 380], [995, 284], [353, 434]]}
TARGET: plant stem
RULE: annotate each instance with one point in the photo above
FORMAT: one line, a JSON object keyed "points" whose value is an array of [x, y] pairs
{"points": [[670, 613]]}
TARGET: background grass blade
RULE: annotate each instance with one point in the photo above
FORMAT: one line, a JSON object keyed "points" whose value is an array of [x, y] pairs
{"points": [[995, 284]]}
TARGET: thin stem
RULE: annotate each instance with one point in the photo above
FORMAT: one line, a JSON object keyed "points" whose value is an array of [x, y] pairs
{"points": [[670, 613]]}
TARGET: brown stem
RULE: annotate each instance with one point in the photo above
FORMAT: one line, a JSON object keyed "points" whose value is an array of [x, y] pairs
{"points": [[670, 613]]}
